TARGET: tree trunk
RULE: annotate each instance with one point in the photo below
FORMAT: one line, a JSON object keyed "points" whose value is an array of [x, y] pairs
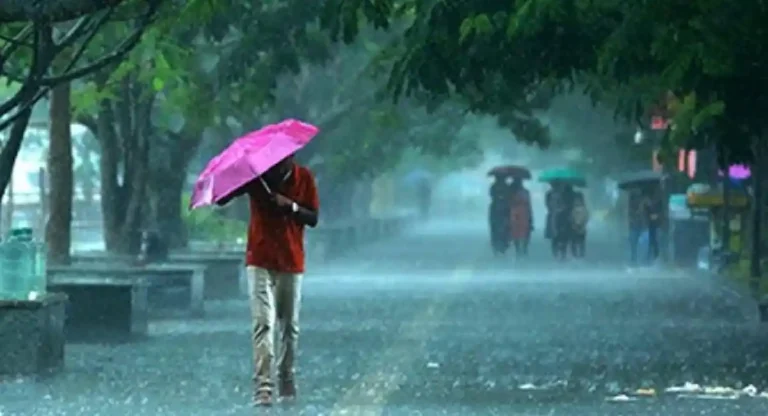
{"points": [[112, 195], [136, 132], [11, 149], [58, 229], [166, 190], [7, 220], [168, 208], [124, 131]]}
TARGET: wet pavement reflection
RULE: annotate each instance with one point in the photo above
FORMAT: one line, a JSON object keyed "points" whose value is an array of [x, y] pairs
{"points": [[431, 324]]}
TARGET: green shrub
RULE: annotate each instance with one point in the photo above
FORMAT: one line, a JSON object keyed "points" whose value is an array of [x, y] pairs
{"points": [[210, 225]]}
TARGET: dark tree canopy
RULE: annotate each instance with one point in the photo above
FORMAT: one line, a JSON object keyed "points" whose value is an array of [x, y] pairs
{"points": [[50, 10], [497, 55]]}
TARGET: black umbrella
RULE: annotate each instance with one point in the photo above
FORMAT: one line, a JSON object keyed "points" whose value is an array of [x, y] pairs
{"points": [[639, 179]]}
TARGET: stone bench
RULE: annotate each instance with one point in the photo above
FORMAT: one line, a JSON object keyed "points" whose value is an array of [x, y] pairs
{"points": [[224, 270], [32, 336], [103, 307], [160, 279]]}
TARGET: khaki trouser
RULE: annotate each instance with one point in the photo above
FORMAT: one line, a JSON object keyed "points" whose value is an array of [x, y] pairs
{"points": [[274, 298]]}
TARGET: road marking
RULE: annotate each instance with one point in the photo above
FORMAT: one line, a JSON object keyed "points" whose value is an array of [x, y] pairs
{"points": [[387, 371]]}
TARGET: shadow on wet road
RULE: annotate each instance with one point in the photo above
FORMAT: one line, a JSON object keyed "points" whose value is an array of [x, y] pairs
{"points": [[431, 323]]}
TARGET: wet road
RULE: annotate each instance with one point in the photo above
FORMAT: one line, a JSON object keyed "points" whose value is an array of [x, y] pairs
{"points": [[432, 324]]}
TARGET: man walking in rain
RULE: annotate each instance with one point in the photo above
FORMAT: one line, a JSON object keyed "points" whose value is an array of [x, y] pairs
{"points": [[283, 202]]}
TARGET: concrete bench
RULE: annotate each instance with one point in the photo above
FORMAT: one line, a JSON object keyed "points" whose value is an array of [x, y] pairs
{"points": [[160, 279], [102, 307], [32, 336], [224, 270]]}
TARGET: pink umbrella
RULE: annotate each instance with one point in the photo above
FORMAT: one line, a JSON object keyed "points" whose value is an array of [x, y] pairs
{"points": [[738, 172], [247, 158]]}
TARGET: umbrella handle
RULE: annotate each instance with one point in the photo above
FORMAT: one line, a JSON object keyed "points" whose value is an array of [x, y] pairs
{"points": [[266, 187]]}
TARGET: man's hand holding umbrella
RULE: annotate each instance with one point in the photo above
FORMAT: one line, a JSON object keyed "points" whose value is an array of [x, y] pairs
{"points": [[290, 207]]}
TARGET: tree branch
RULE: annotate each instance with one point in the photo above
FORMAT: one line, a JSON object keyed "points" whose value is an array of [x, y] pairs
{"points": [[93, 29], [17, 41], [80, 27], [50, 11], [89, 122], [12, 147], [121, 50], [25, 94]]}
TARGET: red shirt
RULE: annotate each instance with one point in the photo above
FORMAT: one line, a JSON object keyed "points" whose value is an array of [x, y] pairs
{"points": [[276, 239]]}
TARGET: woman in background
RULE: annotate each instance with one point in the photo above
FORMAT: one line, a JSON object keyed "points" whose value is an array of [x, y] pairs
{"points": [[579, 220], [498, 215], [521, 217]]}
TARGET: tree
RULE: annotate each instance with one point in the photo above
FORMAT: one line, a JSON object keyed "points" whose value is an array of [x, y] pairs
{"points": [[361, 135], [29, 53], [169, 87]]}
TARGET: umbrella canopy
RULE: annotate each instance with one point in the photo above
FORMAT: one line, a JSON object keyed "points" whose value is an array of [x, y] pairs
{"points": [[563, 175], [514, 171], [738, 172], [249, 157], [639, 179]]}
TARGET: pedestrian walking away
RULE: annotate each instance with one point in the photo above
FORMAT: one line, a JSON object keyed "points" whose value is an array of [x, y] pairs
{"points": [[654, 220], [560, 205], [521, 217], [498, 215], [579, 220], [636, 219], [283, 202]]}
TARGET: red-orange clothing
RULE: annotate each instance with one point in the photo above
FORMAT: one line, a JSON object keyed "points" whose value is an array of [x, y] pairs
{"points": [[276, 239], [521, 215]]}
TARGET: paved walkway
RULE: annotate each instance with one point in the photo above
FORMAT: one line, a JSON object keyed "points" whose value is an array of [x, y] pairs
{"points": [[431, 324]]}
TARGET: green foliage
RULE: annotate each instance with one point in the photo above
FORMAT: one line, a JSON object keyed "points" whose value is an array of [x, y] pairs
{"points": [[212, 226], [362, 134], [629, 55]]}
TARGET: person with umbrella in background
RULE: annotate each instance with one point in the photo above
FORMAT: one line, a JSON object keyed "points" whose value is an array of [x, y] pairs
{"points": [[498, 214], [654, 212], [506, 187], [559, 200], [579, 220], [283, 201], [644, 210], [521, 215], [562, 219]]}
